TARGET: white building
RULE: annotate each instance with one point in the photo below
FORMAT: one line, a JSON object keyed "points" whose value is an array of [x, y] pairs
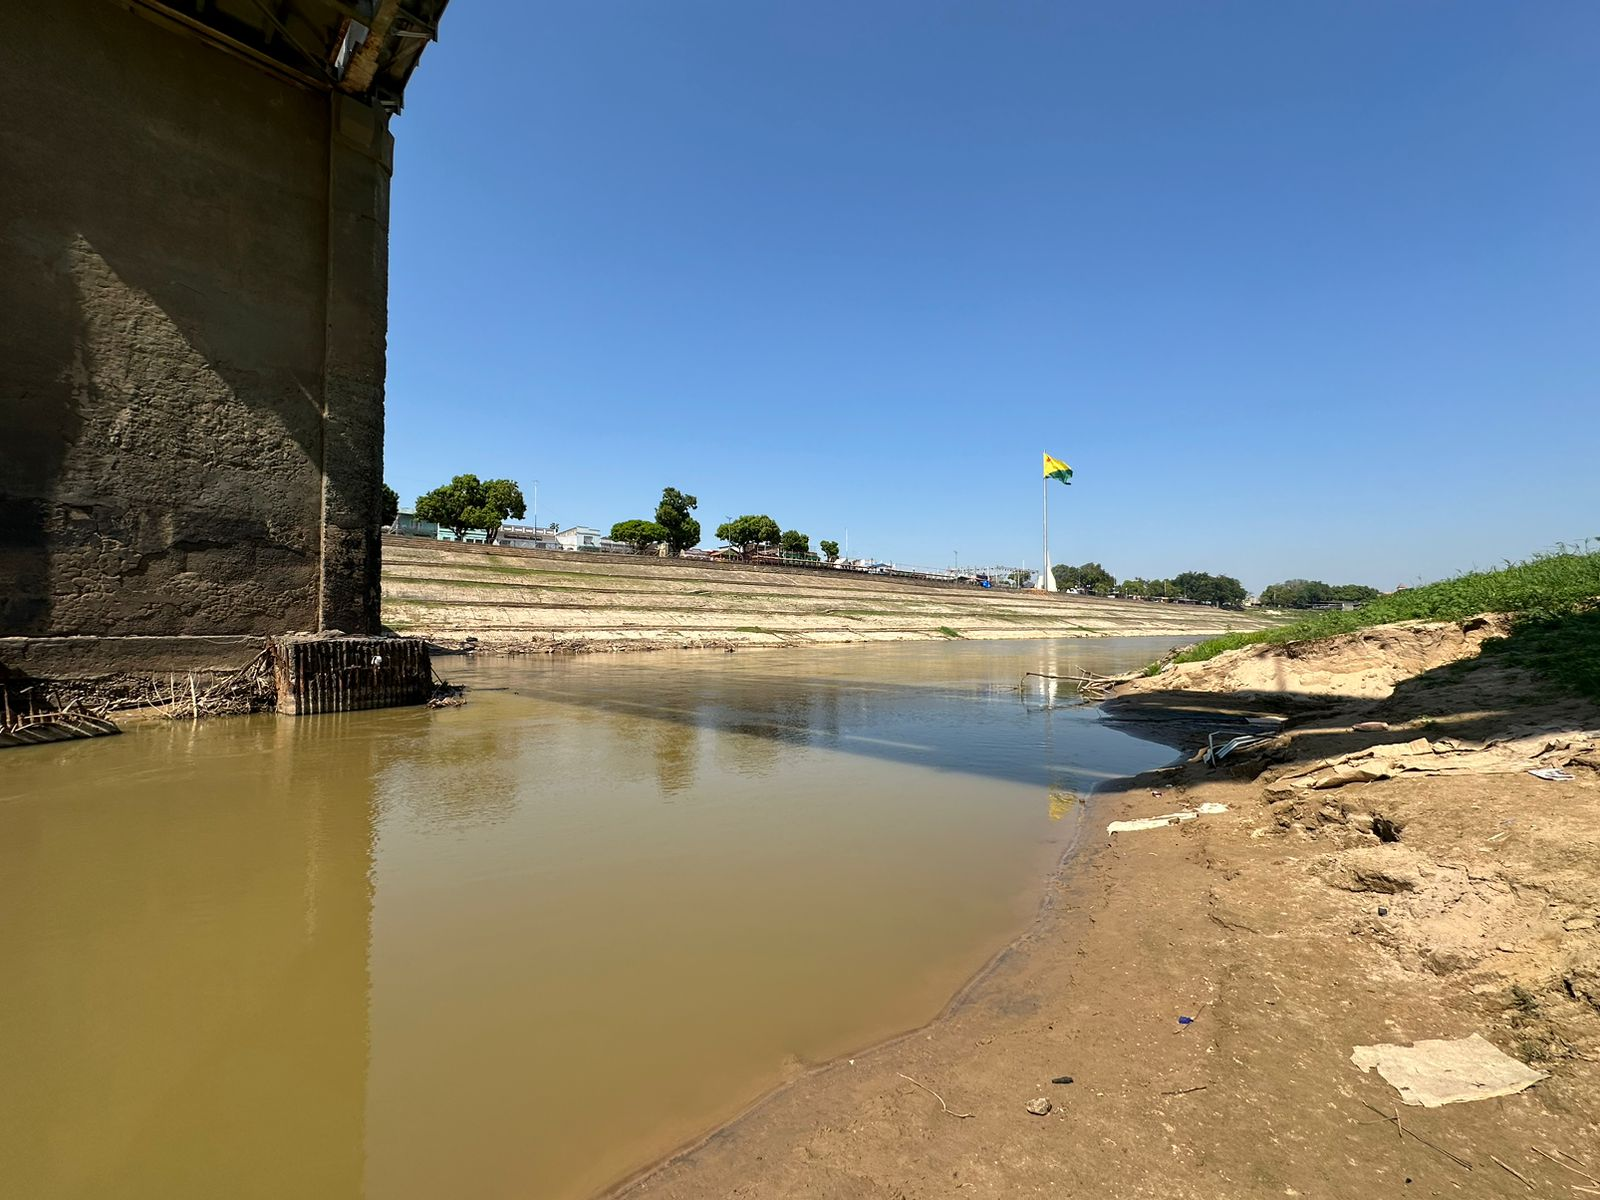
{"points": [[528, 537], [578, 538]]}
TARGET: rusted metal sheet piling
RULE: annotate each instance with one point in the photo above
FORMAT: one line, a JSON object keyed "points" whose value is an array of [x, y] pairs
{"points": [[344, 674]]}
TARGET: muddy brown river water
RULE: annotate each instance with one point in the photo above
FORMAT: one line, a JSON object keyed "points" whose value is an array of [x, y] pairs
{"points": [[524, 947]]}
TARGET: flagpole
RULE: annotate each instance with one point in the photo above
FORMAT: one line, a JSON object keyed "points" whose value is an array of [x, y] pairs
{"points": [[1044, 581]]}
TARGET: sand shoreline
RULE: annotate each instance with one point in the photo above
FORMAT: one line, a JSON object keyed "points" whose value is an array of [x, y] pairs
{"points": [[1075, 848], [1267, 925]]}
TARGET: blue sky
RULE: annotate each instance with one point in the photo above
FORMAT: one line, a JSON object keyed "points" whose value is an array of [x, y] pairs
{"points": [[1302, 289]]}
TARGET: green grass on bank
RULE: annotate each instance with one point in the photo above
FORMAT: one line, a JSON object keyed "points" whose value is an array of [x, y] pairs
{"points": [[1564, 650], [1554, 595]]}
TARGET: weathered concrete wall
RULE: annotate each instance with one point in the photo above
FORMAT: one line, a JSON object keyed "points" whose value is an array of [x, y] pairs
{"points": [[193, 275]]}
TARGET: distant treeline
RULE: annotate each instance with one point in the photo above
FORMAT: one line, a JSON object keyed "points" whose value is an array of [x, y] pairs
{"points": [[1203, 588], [1308, 593]]}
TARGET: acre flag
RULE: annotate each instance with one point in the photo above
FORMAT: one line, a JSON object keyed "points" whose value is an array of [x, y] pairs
{"points": [[1054, 468]]}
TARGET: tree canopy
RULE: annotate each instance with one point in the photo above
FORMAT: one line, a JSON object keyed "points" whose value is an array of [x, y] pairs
{"points": [[672, 515], [1307, 593], [388, 504], [1090, 577], [1222, 590], [831, 549], [748, 533], [641, 535], [792, 541], [467, 502]]}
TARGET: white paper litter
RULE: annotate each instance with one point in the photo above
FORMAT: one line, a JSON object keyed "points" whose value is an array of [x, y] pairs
{"points": [[1161, 822], [1439, 1072], [1553, 774]]}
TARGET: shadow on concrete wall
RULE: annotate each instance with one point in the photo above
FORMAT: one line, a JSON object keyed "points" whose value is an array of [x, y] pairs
{"points": [[163, 270]]}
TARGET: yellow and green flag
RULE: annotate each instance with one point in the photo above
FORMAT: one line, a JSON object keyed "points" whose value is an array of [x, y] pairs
{"points": [[1054, 468]]}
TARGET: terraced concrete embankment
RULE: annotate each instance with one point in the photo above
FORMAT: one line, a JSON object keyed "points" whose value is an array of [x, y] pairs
{"points": [[549, 600]]}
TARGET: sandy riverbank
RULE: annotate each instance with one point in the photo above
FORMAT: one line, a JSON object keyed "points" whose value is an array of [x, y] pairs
{"points": [[1290, 932]]}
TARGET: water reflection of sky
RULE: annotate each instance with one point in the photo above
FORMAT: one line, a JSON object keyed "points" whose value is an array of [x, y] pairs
{"points": [[969, 712], [694, 868]]}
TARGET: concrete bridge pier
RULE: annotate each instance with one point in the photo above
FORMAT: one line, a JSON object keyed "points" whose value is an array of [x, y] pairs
{"points": [[194, 204]]}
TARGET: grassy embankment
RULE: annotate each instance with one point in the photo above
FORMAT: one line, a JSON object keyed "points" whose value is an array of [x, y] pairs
{"points": [[1554, 597]]}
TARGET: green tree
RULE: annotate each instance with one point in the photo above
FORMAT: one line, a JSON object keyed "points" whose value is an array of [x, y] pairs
{"points": [[1308, 593], [641, 535], [1090, 577], [1097, 579], [1359, 592], [672, 514], [748, 533], [1135, 587], [792, 541], [1295, 593], [467, 502], [388, 504], [1222, 590], [1020, 578], [831, 549]]}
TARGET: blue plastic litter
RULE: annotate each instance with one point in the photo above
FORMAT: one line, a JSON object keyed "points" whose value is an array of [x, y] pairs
{"points": [[1185, 1020]]}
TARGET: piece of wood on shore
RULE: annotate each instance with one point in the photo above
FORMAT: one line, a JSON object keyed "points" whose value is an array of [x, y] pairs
{"points": [[39, 728], [1089, 683]]}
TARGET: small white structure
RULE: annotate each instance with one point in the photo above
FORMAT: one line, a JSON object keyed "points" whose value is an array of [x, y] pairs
{"points": [[528, 537], [583, 537], [579, 537]]}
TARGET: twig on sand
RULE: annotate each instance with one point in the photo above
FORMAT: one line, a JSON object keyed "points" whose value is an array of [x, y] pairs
{"points": [[1513, 1171], [935, 1095], [1198, 1013], [1407, 1133], [1559, 1163], [1185, 1091]]}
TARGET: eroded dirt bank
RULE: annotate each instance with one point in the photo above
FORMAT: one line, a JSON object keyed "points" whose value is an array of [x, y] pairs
{"points": [[1292, 932]]}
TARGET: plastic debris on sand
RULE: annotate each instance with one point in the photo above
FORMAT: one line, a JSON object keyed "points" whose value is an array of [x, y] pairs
{"points": [[1161, 822], [1439, 1072], [1443, 756]]}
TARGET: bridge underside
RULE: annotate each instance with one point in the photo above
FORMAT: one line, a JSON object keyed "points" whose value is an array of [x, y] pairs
{"points": [[193, 276]]}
